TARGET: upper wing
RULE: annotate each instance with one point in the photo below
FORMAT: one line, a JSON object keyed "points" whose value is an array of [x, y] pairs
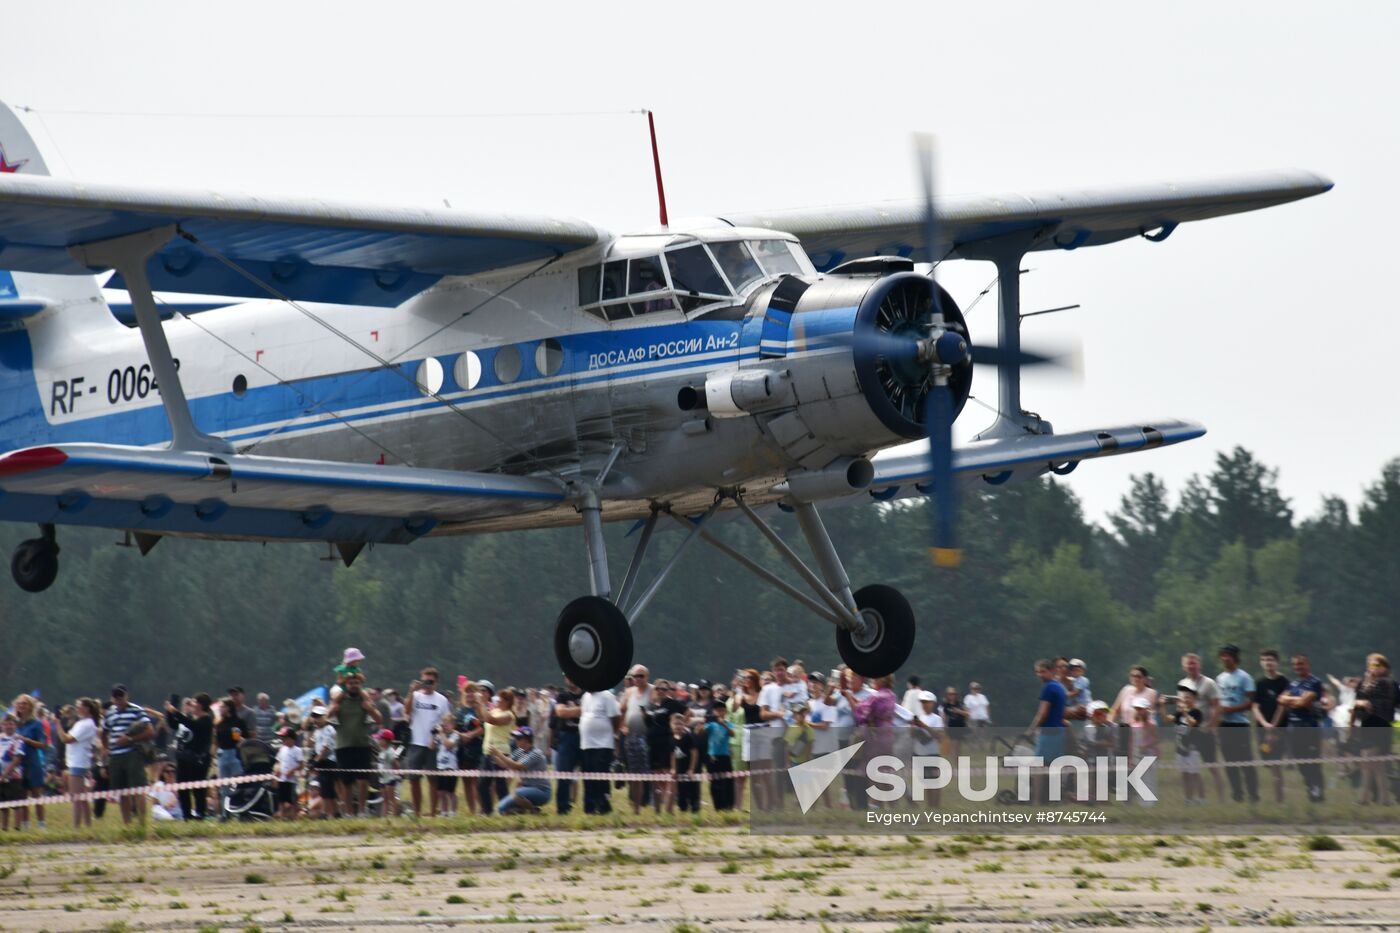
{"points": [[244, 496], [1061, 219], [308, 249]]}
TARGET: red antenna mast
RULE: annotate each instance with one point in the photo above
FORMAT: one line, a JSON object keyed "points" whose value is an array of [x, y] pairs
{"points": [[656, 161]]}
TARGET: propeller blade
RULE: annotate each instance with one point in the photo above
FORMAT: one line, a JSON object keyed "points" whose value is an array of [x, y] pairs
{"points": [[939, 411], [995, 356]]}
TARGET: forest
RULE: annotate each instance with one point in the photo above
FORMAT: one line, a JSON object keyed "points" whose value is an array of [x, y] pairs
{"points": [[1224, 558]]}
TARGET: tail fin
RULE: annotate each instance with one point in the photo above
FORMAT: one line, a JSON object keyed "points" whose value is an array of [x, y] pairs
{"points": [[23, 293]]}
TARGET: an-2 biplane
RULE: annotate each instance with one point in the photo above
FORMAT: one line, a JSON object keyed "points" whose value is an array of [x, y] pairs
{"points": [[399, 373]]}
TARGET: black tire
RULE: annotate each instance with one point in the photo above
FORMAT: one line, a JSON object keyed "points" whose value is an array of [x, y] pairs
{"points": [[591, 622], [35, 565], [891, 638]]}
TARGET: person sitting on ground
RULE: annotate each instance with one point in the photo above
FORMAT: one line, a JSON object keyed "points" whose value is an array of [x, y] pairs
{"points": [[532, 792], [165, 806]]}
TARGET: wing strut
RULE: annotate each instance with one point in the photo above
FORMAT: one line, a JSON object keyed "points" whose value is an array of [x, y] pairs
{"points": [[128, 255], [1006, 253]]}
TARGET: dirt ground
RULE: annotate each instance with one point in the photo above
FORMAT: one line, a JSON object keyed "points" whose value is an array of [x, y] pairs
{"points": [[697, 878]]}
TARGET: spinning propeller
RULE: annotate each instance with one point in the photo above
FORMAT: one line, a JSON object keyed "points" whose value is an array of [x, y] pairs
{"points": [[922, 346]]}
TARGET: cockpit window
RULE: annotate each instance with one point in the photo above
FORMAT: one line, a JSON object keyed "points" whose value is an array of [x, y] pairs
{"points": [[775, 257], [615, 279], [695, 277], [644, 277], [588, 280], [739, 267]]}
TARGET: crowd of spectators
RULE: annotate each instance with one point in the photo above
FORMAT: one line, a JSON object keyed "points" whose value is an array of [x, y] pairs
{"points": [[349, 754]]}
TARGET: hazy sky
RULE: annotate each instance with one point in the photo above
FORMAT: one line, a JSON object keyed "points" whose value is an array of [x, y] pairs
{"points": [[1275, 329]]}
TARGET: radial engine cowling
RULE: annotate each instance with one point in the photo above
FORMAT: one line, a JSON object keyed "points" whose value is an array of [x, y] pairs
{"points": [[902, 305]]}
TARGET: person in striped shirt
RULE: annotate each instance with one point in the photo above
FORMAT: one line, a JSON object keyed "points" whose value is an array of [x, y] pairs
{"points": [[125, 727]]}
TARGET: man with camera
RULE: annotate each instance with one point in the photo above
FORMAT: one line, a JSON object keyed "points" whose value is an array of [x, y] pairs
{"points": [[426, 709]]}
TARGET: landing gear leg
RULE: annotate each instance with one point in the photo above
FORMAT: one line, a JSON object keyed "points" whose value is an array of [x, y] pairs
{"points": [[35, 562], [885, 637], [592, 640]]}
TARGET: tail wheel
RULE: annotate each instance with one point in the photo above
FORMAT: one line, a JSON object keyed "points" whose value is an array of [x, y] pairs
{"points": [[593, 643], [35, 564], [887, 639]]}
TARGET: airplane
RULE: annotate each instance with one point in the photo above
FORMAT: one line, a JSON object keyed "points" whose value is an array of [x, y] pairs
{"points": [[376, 374]]}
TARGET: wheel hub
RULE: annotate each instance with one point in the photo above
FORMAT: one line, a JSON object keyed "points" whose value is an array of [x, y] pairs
{"points": [[871, 632], [584, 645]]}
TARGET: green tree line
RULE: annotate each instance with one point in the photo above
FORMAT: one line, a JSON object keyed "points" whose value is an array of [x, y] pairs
{"points": [[1222, 559]]}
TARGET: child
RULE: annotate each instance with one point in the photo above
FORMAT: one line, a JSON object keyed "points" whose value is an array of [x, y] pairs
{"points": [[349, 664], [388, 763], [685, 763], [1188, 719], [323, 751], [718, 734], [798, 736], [290, 759], [1143, 743], [12, 750], [445, 801]]}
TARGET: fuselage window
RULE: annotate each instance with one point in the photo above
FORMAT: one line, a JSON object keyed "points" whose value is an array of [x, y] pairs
{"points": [[429, 377], [739, 267], [508, 364], [775, 257], [467, 371], [549, 357], [695, 278]]}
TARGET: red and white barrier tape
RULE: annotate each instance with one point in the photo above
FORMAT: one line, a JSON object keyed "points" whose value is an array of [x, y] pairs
{"points": [[655, 777]]}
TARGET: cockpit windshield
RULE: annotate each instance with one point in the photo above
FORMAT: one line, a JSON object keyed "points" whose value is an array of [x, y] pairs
{"points": [[690, 276], [738, 264]]}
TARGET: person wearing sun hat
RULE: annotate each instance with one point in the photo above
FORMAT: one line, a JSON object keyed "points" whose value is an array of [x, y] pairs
{"points": [[532, 792]]}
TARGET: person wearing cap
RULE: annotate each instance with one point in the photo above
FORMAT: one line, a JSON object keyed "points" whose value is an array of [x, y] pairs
{"points": [[979, 707], [497, 722], [125, 727], [1099, 736], [246, 717], [427, 710], [1208, 701], [1233, 713], [530, 793], [1082, 694], [388, 751], [290, 761], [323, 756], [927, 725]]}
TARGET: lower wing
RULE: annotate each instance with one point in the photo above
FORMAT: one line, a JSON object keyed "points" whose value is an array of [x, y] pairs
{"points": [[997, 459], [242, 496]]}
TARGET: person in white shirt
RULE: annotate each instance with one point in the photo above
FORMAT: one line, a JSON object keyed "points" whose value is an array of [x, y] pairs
{"points": [[81, 742], [912, 689], [323, 757], [823, 718], [979, 708], [426, 710], [290, 759], [445, 803], [927, 725], [1208, 701], [165, 806], [600, 718]]}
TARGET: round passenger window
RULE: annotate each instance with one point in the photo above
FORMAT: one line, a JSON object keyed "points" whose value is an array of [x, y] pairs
{"points": [[429, 376], [508, 364], [549, 357], [466, 372], [240, 385]]}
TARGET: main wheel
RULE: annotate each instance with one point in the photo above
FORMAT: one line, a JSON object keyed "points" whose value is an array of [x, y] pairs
{"points": [[593, 643], [888, 637], [35, 564]]}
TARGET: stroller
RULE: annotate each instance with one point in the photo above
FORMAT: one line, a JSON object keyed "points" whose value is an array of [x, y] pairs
{"points": [[253, 800]]}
